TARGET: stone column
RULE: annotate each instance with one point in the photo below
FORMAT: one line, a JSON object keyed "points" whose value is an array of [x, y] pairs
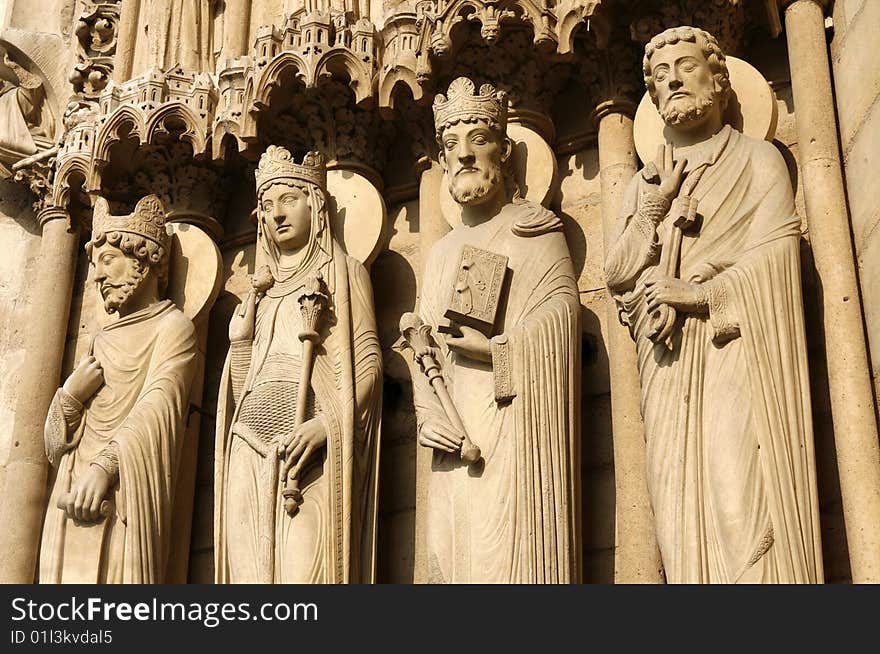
{"points": [[849, 380], [236, 27], [636, 555], [126, 40], [21, 511], [432, 227]]}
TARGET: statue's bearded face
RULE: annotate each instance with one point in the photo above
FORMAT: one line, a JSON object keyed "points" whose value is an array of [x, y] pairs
{"points": [[287, 215], [685, 88], [473, 156], [117, 275]]}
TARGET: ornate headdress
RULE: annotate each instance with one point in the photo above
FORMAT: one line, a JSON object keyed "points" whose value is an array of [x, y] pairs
{"points": [[461, 103], [277, 163], [148, 220]]}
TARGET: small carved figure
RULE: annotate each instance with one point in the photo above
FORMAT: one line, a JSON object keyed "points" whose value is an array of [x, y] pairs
{"points": [[116, 427], [22, 128], [511, 516], [298, 424], [705, 269]]}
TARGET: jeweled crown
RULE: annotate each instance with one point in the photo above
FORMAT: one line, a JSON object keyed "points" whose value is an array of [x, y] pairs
{"points": [[277, 163], [147, 220], [460, 103]]}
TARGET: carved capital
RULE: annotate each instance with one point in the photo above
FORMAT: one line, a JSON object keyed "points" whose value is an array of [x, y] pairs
{"points": [[610, 107], [785, 4], [50, 213], [38, 173]]}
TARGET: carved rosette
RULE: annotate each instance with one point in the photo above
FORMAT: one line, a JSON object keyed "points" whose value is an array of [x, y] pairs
{"points": [[95, 43]]}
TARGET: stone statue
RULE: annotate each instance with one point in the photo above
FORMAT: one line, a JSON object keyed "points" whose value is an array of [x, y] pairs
{"points": [[299, 408], [705, 269], [510, 360], [116, 427], [179, 33], [22, 127]]}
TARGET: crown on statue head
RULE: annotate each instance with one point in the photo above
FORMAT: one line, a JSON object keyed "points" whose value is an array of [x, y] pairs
{"points": [[147, 220], [277, 164], [461, 103]]}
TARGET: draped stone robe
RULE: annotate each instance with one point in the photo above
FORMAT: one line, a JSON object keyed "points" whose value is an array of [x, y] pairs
{"points": [[148, 359], [176, 33], [16, 138], [731, 463], [515, 519], [332, 537]]}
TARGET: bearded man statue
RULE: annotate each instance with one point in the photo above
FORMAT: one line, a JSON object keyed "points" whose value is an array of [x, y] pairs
{"points": [[705, 268], [300, 399], [513, 516], [116, 427]]}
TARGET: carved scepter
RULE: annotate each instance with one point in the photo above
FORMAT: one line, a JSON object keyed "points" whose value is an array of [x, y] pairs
{"points": [[105, 510], [417, 336], [312, 303]]}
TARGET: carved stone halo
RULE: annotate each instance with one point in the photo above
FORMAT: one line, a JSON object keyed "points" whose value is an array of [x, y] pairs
{"points": [[534, 168], [752, 109], [357, 214], [195, 271]]}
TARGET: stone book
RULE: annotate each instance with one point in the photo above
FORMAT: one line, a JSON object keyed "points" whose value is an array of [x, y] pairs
{"points": [[478, 287]]}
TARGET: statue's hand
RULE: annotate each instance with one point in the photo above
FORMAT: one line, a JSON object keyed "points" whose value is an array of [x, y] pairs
{"points": [[241, 325], [676, 293], [440, 436], [84, 499], [85, 381], [671, 175], [297, 447], [471, 344]]}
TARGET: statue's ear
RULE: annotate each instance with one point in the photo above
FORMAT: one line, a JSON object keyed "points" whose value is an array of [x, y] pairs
{"points": [[722, 93], [506, 148], [441, 156]]}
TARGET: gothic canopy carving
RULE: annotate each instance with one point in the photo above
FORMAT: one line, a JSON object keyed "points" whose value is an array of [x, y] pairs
{"points": [[326, 77]]}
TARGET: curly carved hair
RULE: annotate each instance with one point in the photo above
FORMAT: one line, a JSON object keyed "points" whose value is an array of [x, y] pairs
{"points": [[708, 44], [149, 254]]}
